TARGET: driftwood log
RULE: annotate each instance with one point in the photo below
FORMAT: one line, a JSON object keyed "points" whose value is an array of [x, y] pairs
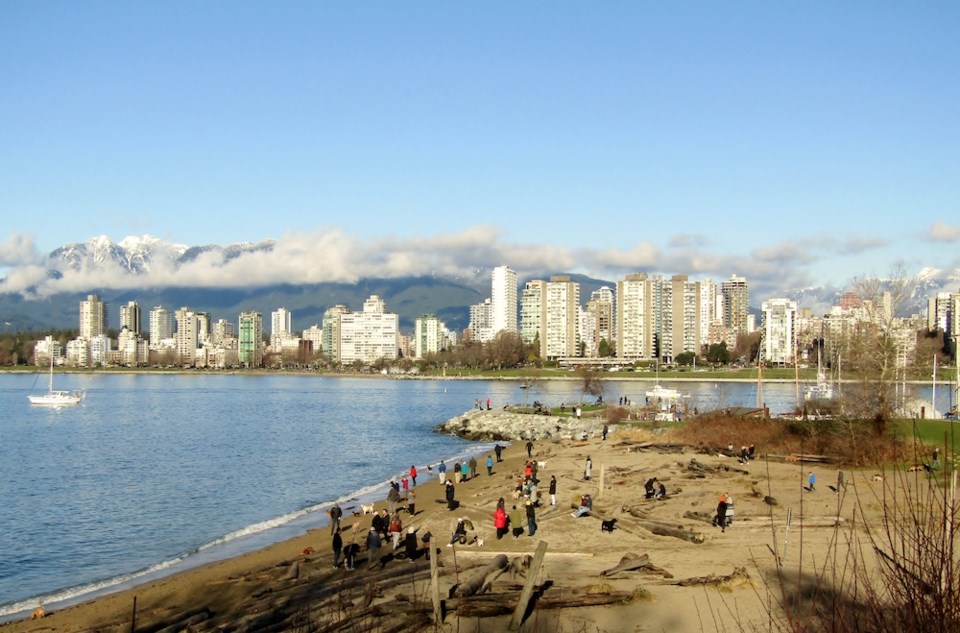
{"points": [[481, 580], [739, 575], [666, 529], [633, 562]]}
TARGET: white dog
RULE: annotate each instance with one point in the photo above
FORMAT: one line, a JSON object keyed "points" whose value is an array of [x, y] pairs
{"points": [[479, 542], [541, 465], [878, 477], [366, 508]]}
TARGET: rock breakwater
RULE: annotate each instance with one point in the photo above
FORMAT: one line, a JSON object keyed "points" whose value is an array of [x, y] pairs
{"points": [[509, 425]]}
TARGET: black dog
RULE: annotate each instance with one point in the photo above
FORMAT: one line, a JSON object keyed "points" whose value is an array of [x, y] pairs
{"points": [[608, 525]]}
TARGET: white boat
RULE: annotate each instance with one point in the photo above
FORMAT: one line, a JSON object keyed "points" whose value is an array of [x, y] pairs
{"points": [[56, 397], [666, 402]]}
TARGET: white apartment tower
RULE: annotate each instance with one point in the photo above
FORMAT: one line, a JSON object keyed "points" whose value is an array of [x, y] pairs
{"points": [[533, 305], [635, 331], [281, 327], [561, 331], [428, 335], [598, 321], [503, 300], [779, 331], [187, 339], [93, 317], [331, 331], [369, 335], [161, 326]]}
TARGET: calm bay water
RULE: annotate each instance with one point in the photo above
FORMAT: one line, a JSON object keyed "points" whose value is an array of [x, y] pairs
{"points": [[154, 473]]}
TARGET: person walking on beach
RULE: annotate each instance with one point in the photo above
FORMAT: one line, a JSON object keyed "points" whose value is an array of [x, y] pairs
{"points": [[498, 450], [413, 474], [489, 465], [404, 487], [473, 467], [412, 503], [465, 471], [841, 482], [457, 474], [500, 522], [553, 490], [603, 435], [529, 448], [442, 472], [337, 546], [376, 523], [531, 519], [449, 493], [373, 548], [721, 518], [335, 514], [588, 469], [812, 479], [410, 544], [516, 522], [393, 498]]}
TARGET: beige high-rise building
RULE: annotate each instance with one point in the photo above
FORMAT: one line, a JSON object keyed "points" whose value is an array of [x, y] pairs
{"points": [[635, 324], [130, 317], [93, 317], [598, 321], [187, 338], [533, 307], [736, 308], [561, 331]]}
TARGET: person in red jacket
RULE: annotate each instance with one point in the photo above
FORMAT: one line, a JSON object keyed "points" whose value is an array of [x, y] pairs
{"points": [[413, 474], [500, 521]]}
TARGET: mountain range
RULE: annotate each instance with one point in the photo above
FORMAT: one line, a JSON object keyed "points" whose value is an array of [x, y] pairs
{"points": [[136, 260]]}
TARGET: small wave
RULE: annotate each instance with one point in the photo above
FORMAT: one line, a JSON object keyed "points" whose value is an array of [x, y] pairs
{"points": [[73, 593]]}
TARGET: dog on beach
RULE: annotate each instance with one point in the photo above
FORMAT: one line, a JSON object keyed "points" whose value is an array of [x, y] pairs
{"points": [[608, 525], [38, 613], [542, 465], [479, 541], [308, 550], [366, 508], [878, 477]]}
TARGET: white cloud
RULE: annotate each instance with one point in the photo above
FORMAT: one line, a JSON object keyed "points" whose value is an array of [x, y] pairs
{"points": [[18, 250], [942, 232]]}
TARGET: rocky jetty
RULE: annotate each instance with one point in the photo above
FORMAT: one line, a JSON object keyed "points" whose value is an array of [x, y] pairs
{"points": [[507, 425]]}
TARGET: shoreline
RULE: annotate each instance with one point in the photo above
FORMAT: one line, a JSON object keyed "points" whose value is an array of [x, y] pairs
{"points": [[229, 546], [278, 582]]}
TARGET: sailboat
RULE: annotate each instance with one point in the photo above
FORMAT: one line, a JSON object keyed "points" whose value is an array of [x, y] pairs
{"points": [[55, 397], [664, 399], [822, 391]]}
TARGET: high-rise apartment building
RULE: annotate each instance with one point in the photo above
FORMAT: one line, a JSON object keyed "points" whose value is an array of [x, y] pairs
{"points": [[533, 306], [503, 300], [635, 324], [561, 331], [779, 331], [736, 307], [369, 335], [161, 326], [250, 339], [481, 321], [223, 333], [331, 331], [186, 337], [428, 335], [130, 317], [204, 323], [598, 322], [682, 312], [93, 317], [281, 327]]}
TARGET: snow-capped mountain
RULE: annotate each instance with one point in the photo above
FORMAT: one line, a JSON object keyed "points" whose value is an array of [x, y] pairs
{"points": [[139, 255]]}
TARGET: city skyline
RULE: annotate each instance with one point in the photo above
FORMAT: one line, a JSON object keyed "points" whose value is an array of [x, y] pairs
{"points": [[793, 145]]}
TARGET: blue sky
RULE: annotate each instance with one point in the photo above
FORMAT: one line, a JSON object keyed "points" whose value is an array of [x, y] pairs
{"points": [[793, 143]]}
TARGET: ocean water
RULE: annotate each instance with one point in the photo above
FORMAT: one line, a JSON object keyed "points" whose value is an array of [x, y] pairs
{"points": [[154, 473]]}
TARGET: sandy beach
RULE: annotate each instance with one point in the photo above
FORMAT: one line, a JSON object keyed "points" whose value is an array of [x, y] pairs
{"points": [[283, 588]]}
